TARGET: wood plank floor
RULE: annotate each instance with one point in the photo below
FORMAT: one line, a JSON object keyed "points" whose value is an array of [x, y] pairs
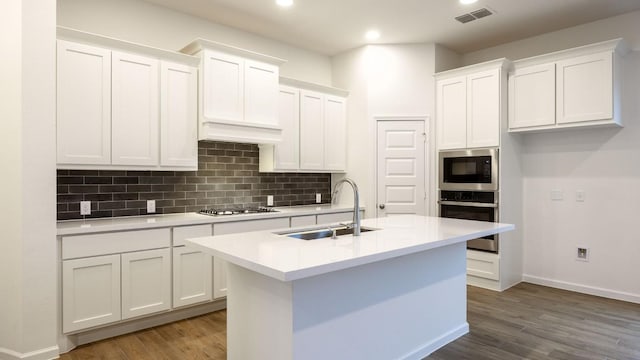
{"points": [[525, 322]]}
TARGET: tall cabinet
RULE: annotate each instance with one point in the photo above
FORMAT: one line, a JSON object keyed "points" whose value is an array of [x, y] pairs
{"points": [[124, 106], [468, 105]]}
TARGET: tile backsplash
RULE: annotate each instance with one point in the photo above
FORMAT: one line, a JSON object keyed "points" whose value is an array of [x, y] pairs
{"points": [[227, 177]]}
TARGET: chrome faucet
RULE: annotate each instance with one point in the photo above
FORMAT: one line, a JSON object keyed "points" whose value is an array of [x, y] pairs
{"points": [[356, 203]]}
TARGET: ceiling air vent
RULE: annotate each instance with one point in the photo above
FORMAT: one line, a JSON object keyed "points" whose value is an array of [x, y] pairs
{"points": [[481, 13], [465, 18], [477, 14]]}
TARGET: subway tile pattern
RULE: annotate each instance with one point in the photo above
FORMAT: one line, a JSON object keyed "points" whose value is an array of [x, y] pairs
{"points": [[227, 176]]}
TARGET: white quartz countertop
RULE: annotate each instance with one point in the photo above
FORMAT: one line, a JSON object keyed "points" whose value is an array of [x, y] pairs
{"points": [[77, 227], [287, 259]]}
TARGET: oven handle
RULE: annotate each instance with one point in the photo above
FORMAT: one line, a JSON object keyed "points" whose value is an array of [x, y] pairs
{"points": [[472, 204]]}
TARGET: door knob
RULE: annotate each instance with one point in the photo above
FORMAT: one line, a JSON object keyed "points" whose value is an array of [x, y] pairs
{"points": [[381, 206]]}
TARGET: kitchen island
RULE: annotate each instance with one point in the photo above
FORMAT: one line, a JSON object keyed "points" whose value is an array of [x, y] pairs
{"points": [[398, 292]]}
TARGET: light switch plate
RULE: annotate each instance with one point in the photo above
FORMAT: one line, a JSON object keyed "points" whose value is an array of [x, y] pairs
{"points": [[557, 195], [85, 207], [269, 200], [151, 206], [580, 195], [318, 198]]}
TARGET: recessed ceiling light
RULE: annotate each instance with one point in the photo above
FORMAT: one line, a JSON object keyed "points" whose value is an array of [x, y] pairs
{"points": [[284, 3], [467, 2], [372, 35]]}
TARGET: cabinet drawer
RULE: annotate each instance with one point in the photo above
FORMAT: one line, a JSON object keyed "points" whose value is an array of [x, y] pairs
{"points": [[112, 243], [250, 225], [333, 218], [483, 265], [306, 220], [186, 232]]}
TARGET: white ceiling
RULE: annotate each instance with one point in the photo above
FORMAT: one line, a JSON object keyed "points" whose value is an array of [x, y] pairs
{"points": [[333, 26]]}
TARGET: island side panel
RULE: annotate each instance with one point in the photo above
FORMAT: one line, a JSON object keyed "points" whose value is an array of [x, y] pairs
{"points": [[259, 322], [401, 308]]}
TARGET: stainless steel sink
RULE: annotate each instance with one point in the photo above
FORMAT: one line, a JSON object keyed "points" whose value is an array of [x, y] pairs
{"points": [[322, 233]]}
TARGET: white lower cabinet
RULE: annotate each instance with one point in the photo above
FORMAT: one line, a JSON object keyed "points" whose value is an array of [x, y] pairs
{"points": [[90, 292], [219, 278], [146, 282], [192, 278]]}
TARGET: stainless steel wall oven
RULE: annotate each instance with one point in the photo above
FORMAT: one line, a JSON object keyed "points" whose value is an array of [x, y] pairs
{"points": [[472, 205]]}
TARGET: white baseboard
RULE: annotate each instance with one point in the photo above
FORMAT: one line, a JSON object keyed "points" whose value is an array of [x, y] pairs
{"points": [[585, 289], [42, 354], [436, 344], [69, 342]]}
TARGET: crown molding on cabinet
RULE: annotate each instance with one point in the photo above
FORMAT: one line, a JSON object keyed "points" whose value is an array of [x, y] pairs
{"points": [[313, 86], [200, 44], [65, 33], [619, 46], [471, 69]]}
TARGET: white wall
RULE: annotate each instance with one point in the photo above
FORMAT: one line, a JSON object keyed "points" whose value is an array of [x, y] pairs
{"points": [[28, 276], [384, 80], [605, 163], [153, 25]]}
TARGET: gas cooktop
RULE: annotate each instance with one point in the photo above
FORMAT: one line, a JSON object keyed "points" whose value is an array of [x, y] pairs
{"points": [[237, 211]]}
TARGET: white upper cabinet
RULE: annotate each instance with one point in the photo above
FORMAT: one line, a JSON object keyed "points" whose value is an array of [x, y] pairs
{"points": [[124, 106], [570, 88], [469, 103], [261, 93], [335, 133], [311, 130], [451, 113], [223, 84], [585, 88], [134, 112], [532, 100], [314, 128], [287, 152], [483, 108], [83, 104], [238, 94], [178, 115]]}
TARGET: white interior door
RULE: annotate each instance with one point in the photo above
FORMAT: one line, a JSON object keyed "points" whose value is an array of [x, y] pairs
{"points": [[401, 177]]}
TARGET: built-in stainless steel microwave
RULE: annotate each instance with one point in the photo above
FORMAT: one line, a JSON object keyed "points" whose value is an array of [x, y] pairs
{"points": [[475, 169]]}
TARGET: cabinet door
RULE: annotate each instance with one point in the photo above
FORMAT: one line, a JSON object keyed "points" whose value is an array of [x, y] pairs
{"points": [[483, 109], [261, 93], [311, 131], [178, 115], [223, 86], [532, 96], [335, 133], [146, 280], [90, 292], [135, 112], [83, 104], [287, 152], [219, 278], [585, 88], [192, 281], [451, 113]]}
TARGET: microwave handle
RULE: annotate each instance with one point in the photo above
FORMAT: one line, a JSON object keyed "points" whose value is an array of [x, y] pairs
{"points": [[473, 204]]}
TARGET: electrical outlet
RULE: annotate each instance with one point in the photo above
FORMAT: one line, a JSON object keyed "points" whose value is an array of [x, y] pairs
{"points": [[151, 206], [85, 207], [269, 200], [318, 198], [582, 254]]}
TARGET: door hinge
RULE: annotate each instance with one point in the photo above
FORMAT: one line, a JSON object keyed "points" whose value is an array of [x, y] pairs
{"points": [[425, 195], [424, 137]]}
